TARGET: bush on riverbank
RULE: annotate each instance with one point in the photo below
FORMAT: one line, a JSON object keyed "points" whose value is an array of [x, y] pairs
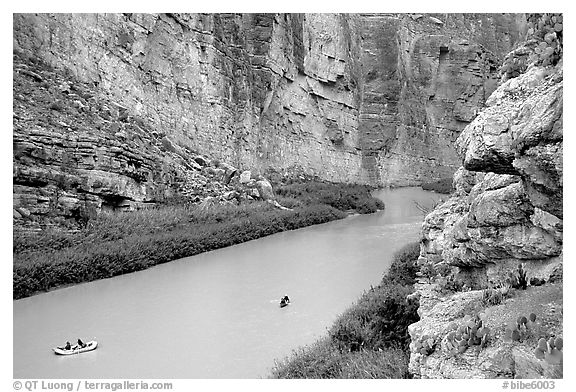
{"points": [[324, 360], [372, 335], [443, 186], [120, 243], [340, 196], [116, 243]]}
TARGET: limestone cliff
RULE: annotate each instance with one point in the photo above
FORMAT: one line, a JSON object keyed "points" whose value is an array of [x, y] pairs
{"points": [[357, 98], [506, 211], [130, 108], [424, 79], [252, 90]]}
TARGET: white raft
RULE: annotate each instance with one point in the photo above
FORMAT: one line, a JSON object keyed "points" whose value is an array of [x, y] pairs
{"points": [[76, 349]]}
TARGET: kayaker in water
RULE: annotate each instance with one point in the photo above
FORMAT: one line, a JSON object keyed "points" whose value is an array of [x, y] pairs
{"points": [[81, 343]]}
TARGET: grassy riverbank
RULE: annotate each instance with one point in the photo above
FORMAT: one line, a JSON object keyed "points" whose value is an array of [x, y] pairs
{"points": [[116, 243], [370, 339], [443, 186]]}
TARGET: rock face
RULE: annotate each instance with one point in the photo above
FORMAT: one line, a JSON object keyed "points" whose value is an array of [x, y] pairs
{"points": [[423, 86], [498, 359], [375, 99], [252, 90], [506, 210], [77, 153]]}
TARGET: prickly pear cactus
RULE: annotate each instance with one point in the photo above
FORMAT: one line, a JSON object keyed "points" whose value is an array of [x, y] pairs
{"points": [[550, 350], [472, 332], [543, 46], [547, 29], [521, 329]]}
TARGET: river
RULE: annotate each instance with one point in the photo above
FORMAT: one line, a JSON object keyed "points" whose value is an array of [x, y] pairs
{"points": [[216, 315]]}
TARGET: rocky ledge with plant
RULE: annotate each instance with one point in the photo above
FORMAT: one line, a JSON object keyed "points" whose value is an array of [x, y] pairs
{"points": [[494, 250]]}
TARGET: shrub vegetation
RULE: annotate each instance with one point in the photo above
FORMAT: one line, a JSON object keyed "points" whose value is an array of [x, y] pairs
{"points": [[116, 243], [343, 197], [443, 186], [324, 360]]}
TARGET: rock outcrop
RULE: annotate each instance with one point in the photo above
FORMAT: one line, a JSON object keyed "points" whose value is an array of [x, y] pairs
{"points": [[77, 153], [362, 98], [506, 210], [423, 86], [251, 90]]}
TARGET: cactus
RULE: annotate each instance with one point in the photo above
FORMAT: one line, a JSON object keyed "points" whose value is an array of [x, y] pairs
{"points": [[522, 321], [550, 351], [547, 30], [521, 329], [472, 332], [544, 45], [559, 343], [542, 344], [522, 282]]}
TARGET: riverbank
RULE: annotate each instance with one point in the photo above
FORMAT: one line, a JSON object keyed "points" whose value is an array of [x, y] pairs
{"points": [[370, 339], [112, 244], [443, 186]]}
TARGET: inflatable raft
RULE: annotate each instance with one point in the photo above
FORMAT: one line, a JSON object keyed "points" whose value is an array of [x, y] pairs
{"points": [[76, 349]]}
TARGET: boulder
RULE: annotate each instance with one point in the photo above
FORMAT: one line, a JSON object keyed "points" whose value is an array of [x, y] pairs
{"points": [[229, 172], [231, 195], [520, 133], [245, 177], [463, 181], [265, 189], [253, 193]]}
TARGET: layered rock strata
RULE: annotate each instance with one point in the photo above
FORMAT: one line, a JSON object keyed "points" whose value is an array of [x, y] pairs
{"points": [[252, 90], [507, 210], [375, 99], [75, 153], [423, 86]]}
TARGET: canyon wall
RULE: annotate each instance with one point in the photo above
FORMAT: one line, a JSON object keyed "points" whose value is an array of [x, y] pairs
{"points": [[116, 110], [424, 79], [357, 98], [253, 90], [506, 215]]}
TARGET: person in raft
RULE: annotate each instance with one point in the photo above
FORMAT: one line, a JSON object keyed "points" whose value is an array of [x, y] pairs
{"points": [[67, 346], [286, 299], [81, 343]]}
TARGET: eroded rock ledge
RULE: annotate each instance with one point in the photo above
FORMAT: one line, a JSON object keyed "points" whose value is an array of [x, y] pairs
{"points": [[506, 210]]}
